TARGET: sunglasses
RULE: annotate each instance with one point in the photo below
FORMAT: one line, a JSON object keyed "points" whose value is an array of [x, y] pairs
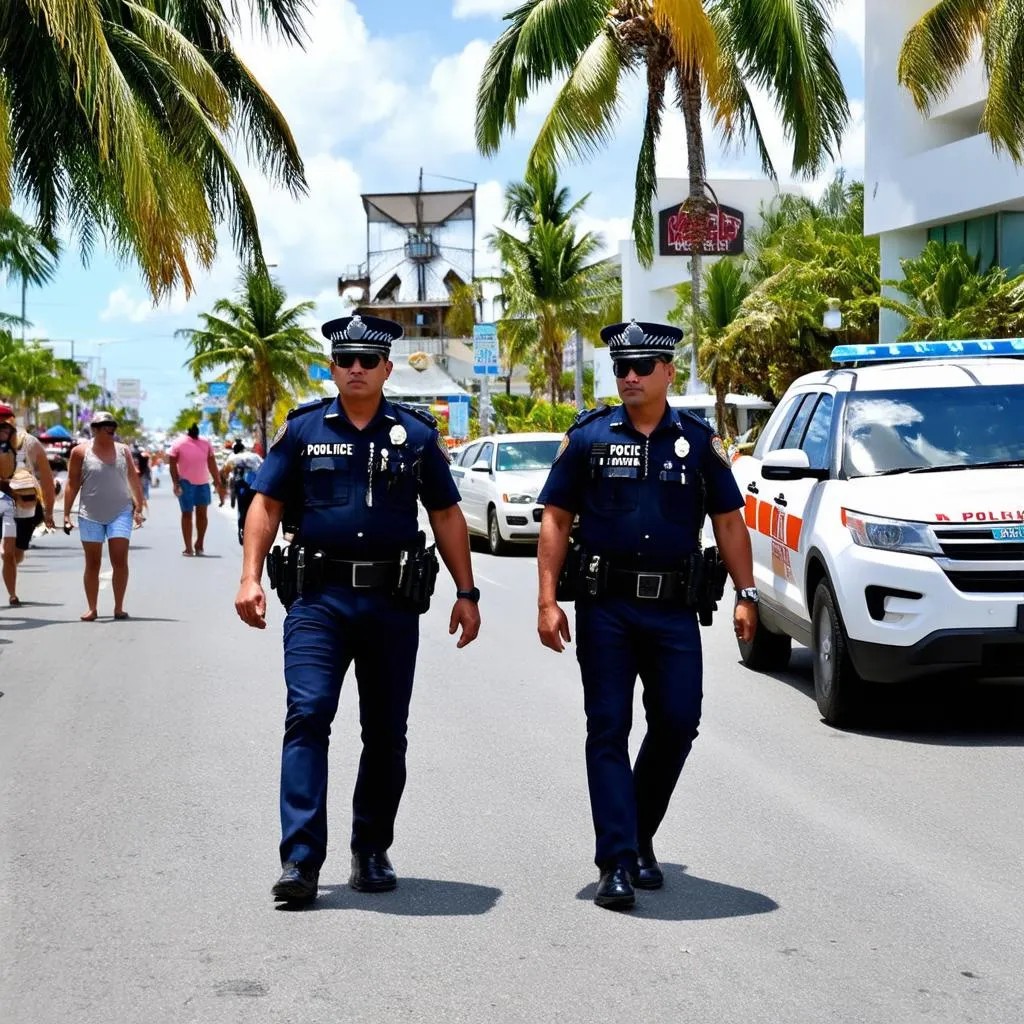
{"points": [[642, 367], [367, 360]]}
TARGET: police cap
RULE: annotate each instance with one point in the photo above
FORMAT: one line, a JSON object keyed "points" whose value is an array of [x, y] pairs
{"points": [[361, 334], [635, 340]]}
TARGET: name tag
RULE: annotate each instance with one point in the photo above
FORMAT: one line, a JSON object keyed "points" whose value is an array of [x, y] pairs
{"points": [[331, 448]]}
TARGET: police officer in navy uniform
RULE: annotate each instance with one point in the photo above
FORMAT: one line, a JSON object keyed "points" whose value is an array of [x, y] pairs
{"points": [[345, 473], [640, 477]]}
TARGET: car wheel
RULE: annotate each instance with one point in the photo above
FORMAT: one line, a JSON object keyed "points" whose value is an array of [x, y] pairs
{"points": [[767, 652], [497, 544], [839, 692]]}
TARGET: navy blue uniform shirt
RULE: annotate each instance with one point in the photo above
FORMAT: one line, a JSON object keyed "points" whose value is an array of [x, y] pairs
{"points": [[357, 489], [640, 499]]}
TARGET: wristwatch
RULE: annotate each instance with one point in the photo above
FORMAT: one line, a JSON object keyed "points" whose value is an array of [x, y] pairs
{"points": [[747, 594], [473, 594]]}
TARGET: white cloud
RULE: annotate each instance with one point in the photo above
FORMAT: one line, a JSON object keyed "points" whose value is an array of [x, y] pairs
{"points": [[848, 20], [122, 306], [481, 8]]}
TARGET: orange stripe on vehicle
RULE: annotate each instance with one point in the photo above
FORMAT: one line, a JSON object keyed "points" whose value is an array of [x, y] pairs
{"points": [[750, 512], [764, 518], [793, 528]]}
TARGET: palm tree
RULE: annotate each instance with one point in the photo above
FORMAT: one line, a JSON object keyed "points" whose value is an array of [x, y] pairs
{"points": [[26, 255], [944, 40], [257, 343], [115, 119], [690, 52], [550, 282]]}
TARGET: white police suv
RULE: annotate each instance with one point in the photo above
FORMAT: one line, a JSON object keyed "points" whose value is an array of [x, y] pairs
{"points": [[885, 503]]}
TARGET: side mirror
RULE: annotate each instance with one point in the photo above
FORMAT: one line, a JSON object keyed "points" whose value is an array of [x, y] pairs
{"points": [[790, 464], [483, 466]]}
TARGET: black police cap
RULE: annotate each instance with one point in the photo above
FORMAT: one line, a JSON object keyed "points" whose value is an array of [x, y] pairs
{"points": [[634, 340], [361, 334]]}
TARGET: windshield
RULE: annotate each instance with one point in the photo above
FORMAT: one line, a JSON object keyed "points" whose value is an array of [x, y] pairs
{"points": [[527, 455], [892, 431]]}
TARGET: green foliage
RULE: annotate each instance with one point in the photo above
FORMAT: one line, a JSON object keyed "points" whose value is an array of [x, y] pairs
{"points": [[462, 314], [518, 414], [117, 118], [947, 296], [30, 375]]}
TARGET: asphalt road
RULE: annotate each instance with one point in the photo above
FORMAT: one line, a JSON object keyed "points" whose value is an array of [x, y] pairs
{"points": [[812, 875]]}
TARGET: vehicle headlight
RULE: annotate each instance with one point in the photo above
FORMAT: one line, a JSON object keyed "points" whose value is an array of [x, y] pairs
{"points": [[519, 499], [890, 534]]}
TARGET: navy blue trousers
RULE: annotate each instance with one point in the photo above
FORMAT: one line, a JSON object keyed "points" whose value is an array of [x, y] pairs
{"points": [[324, 633], [617, 640]]}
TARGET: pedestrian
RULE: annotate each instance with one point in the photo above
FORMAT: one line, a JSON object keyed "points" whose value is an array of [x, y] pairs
{"points": [[141, 459], [26, 471], [103, 473], [192, 465], [349, 471], [240, 469], [641, 477]]}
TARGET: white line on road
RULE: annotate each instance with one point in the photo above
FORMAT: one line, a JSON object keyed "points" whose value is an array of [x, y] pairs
{"points": [[494, 583]]}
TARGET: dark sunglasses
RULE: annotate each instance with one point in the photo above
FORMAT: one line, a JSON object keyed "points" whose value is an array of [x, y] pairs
{"points": [[643, 367], [367, 360]]}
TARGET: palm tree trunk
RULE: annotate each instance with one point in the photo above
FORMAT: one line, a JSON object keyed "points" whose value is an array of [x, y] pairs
{"points": [[690, 104]]}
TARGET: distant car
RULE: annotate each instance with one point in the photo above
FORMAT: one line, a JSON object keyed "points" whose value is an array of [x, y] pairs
{"points": [[499, 478]]}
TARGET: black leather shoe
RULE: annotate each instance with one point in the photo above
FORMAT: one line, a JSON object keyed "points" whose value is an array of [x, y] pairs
{"points": [[372, 872], [615, 889], [648, 872], [297, 883]]}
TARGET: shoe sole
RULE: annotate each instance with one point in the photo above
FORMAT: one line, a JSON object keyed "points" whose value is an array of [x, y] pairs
{"points": [[654, 883], [373, 886], [285, 894], [615, 902]]}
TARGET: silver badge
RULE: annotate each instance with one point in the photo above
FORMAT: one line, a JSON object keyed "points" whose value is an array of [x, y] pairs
{"points": [[682, 447], [398, 435]]}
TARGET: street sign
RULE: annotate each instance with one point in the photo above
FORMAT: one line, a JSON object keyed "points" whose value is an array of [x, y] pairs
{"points": [[218, 388], [458, 416], [485, 350], [235, 425], [317, 372], [210, 408]]}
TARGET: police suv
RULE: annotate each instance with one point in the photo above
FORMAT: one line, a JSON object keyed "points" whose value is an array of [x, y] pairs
{"points": [[885, 503]]}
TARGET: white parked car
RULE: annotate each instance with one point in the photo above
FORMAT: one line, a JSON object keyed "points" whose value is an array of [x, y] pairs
{"points": [[885, 503], [499, 478]]}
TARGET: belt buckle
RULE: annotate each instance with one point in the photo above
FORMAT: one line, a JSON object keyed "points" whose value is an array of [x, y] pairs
{"points": [[356, 566], [648, 585]]}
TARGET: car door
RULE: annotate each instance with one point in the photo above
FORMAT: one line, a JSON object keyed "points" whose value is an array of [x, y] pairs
{"points": [[478, 487], [756, 492], [795, 503]]}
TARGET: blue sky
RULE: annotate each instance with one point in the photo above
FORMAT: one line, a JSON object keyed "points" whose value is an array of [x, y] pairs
{"points": [[382, 89]]}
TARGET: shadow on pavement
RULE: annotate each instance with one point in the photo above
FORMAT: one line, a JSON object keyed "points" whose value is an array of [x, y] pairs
{"points": [[10, 623], [943, 710], [687, 897], [414, 897]]}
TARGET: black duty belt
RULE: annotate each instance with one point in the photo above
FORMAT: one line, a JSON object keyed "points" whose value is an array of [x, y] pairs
{"points": [[647, 586], [361, 575]]}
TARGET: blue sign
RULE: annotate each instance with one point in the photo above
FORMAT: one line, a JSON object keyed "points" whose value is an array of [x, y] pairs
{"points": [[206, 428], [485, 350], [218, 389], [458, 416], [318, 372], [235, 425], [211, 409], [927, 350]]}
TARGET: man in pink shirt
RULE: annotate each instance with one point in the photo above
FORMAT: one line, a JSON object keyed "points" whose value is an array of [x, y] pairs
{"points": [[192, 464]]}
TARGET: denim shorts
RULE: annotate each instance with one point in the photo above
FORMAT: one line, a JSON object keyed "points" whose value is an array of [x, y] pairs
{"points": [[193, 495], [120, 528]]}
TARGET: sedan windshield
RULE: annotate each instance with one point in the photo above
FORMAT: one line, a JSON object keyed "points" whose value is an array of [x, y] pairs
{"points": [[933, 429], [526, 455]]}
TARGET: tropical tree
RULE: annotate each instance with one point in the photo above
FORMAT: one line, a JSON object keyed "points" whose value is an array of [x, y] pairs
{"points": [[30, 375], [945, 40], [551, 281], [25, 255], [116, 118], [256, 342], [462, 314], [691, 53]]}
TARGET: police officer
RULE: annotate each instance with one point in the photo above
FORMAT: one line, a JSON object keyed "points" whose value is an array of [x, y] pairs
{"points": [[345, 474], [641, 477]]}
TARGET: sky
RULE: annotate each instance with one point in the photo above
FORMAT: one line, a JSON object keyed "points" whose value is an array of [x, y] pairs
{"points": [[380, 90]]}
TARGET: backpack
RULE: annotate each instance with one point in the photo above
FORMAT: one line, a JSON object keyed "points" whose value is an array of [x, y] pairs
{"points": [[19, 478]]}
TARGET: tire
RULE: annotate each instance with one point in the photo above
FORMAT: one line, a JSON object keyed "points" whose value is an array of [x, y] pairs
{"points": [[840, 693], [767, 652], [495, 542]]}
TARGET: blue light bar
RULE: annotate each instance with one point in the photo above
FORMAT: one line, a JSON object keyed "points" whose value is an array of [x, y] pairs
{"points": [[904, 350]]}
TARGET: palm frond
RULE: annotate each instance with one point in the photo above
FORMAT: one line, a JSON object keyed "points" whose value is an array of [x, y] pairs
{"points": [[646, 186], [694, 40], [6, 150], [1003, 117]]}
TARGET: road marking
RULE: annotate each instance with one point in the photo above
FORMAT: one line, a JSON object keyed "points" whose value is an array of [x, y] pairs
{"points": [[105, 578], [487, 579]]}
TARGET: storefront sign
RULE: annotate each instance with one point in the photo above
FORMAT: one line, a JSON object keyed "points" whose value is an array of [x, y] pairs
{"points": [[723, 235]]}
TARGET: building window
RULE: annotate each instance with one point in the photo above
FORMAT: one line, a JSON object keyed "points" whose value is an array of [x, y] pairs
{"points": [[980, 236], [1011, 242]]}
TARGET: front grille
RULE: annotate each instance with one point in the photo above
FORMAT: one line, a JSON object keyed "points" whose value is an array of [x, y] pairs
{"points": [[976, 544], [972, 582], [516, 520]]}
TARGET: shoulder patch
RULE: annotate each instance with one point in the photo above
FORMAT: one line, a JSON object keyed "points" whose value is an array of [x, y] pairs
{"points": [[561, 449], [423, 417], [718, 447], [281, 431], [585, 416], [685, 416], [444, 448], [309, 407]]}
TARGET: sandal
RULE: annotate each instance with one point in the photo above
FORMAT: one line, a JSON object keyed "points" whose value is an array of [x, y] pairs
{"points": [[121, 615], [15, 602]]}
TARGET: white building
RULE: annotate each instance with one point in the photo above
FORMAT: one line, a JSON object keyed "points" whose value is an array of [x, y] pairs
{"points": [[933, 177]]}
